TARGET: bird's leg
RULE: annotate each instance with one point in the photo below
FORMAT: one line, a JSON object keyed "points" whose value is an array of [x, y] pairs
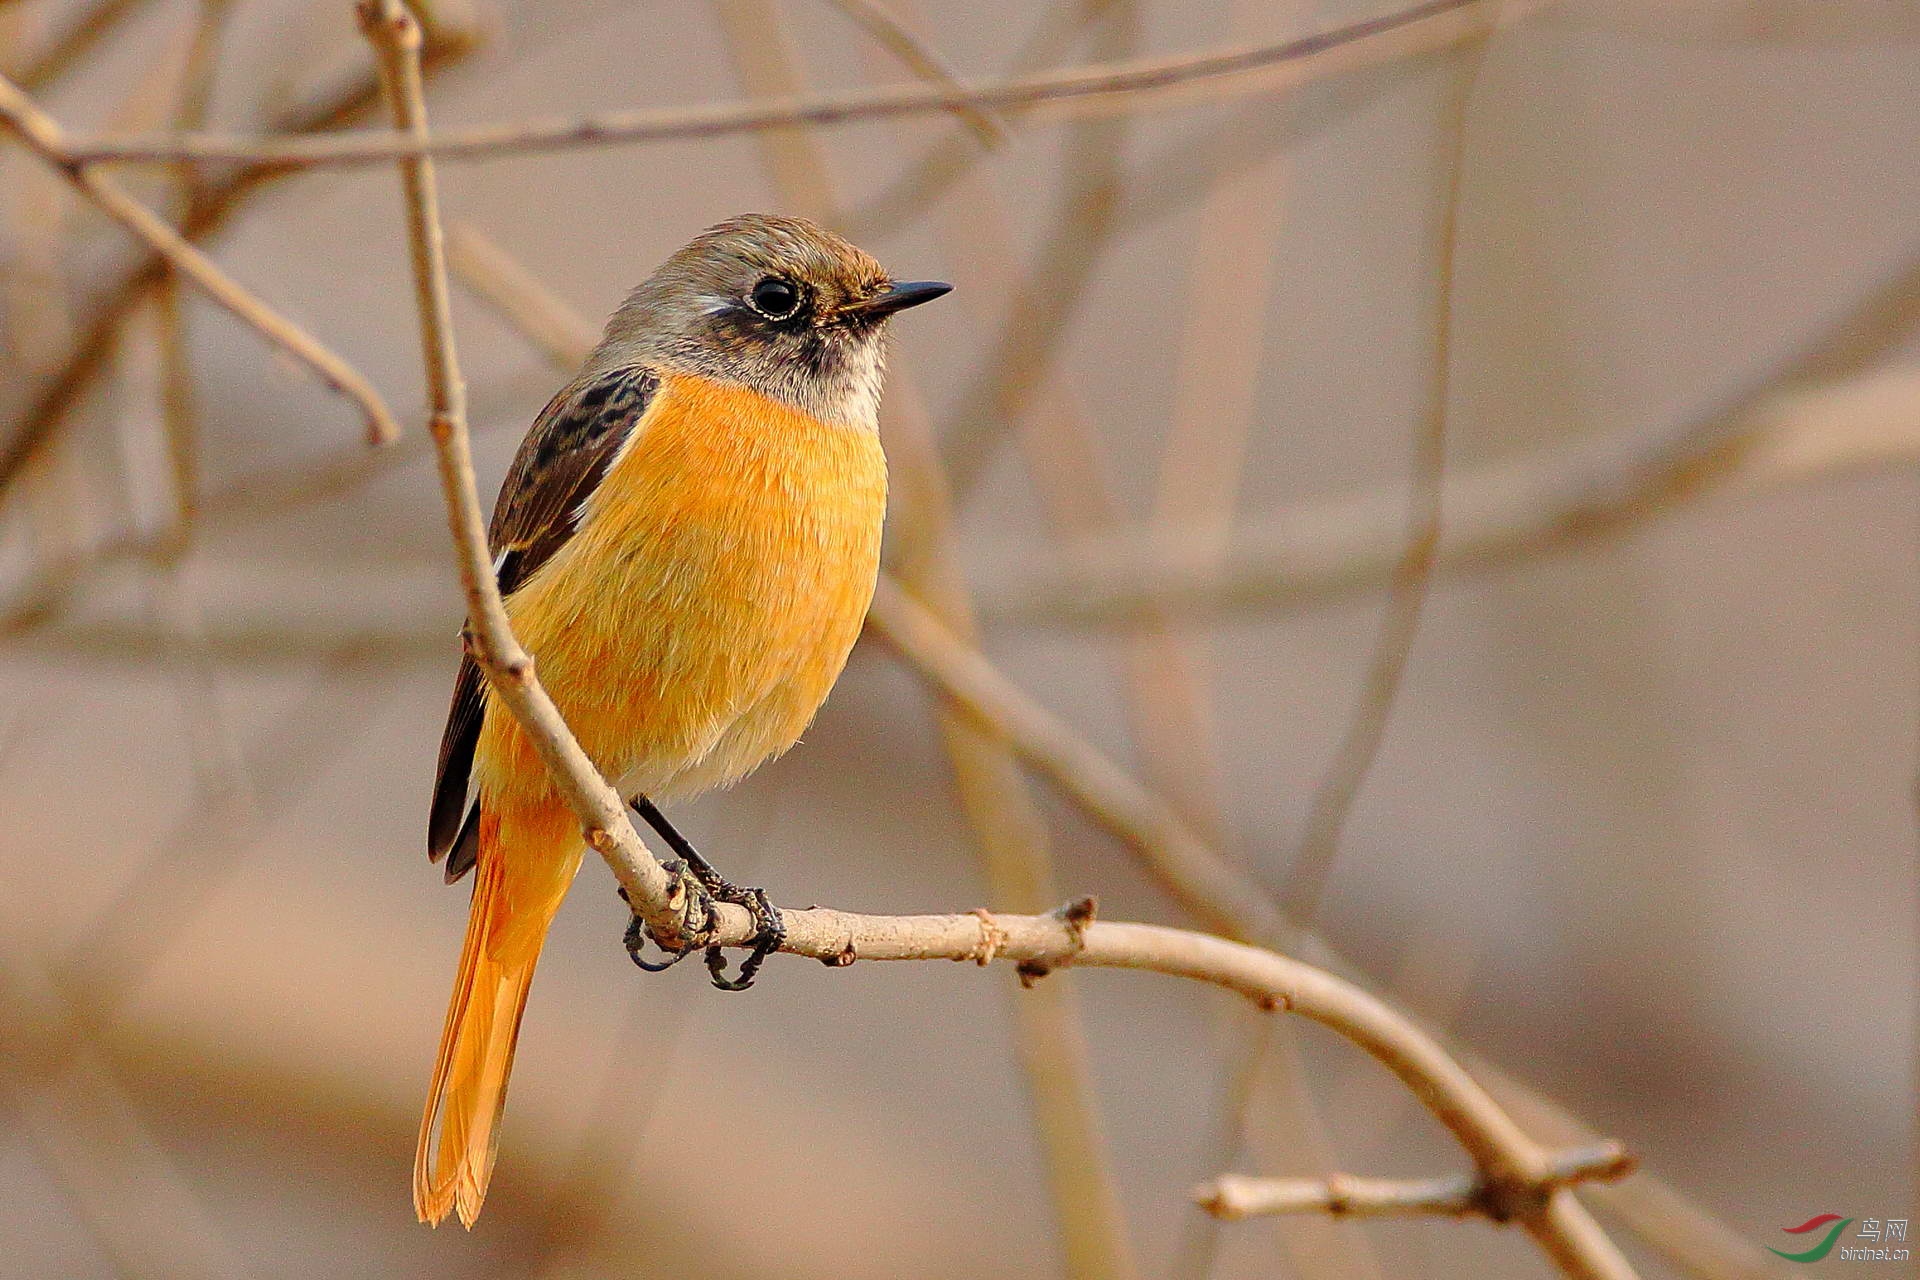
{"points": [[683, 849], [771, 930]]}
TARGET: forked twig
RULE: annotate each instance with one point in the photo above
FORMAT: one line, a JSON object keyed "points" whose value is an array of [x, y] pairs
{"points": [[1342, 1195], [41, 135], [87, 355]]}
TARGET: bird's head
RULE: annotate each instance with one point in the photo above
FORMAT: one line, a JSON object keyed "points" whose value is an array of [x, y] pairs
{"points": [[779, 305]]}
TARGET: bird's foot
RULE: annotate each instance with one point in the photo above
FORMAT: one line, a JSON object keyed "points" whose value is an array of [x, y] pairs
{"points": [[702, 881], [770, 931], [696, 922], [703, 887]]}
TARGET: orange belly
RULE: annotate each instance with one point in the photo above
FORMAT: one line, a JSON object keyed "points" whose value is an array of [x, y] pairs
{"points": [[694, 624]]}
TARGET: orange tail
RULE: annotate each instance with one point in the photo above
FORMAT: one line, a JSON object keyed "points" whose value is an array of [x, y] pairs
{"points": [[527, 860]]}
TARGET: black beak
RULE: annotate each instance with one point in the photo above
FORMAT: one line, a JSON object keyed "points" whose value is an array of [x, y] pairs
{"points": [[898, 298]]}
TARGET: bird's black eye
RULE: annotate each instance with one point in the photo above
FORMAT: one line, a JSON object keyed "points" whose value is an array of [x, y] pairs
{"points": [[774, 298]]}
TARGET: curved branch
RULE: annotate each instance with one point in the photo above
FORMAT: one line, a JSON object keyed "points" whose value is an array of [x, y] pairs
{"points": [[40, 134], [1514, 1172], [656, 896], [885, 102]]}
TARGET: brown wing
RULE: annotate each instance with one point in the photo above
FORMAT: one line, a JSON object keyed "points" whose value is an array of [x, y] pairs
{"points": [[560, 463]]}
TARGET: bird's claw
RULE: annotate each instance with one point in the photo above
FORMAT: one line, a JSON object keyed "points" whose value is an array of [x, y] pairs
{"points": [[770, 932], [696, 923], [703, 887]]}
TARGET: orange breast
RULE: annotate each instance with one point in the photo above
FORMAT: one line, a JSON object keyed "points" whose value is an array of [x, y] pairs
{"points": [[695, 623]]}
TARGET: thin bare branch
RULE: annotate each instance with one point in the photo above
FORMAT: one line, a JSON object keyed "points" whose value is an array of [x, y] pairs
{"points": [[1173, 178], [1342, 1195], [75, 42], [54, 393], [1339, 788], [922, 59], [1497, 513], [655, 895], [1518, 1174], [922, 181], [44, 138], [1134, 78]]}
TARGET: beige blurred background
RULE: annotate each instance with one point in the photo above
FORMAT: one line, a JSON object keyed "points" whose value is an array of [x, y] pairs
{"points": [[1640, 830]]}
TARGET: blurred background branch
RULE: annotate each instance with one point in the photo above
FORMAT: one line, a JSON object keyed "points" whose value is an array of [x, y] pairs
{"points": [[38, 131], [1128, 80], [1194, 288], [1234, 1196]]}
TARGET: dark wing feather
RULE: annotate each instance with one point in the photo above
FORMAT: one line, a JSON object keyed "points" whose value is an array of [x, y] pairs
{"points": [[456, 759], [560, 463], [466, 846]]}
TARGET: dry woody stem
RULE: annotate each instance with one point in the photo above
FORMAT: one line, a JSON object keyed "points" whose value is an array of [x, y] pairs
{"points": [[1238, 1196], [41, 135], [1515, 1174], [1114, 80], [509, 668]]}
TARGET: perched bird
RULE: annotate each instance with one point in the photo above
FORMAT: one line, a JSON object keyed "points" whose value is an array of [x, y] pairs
{"points": [[687, 543]]}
